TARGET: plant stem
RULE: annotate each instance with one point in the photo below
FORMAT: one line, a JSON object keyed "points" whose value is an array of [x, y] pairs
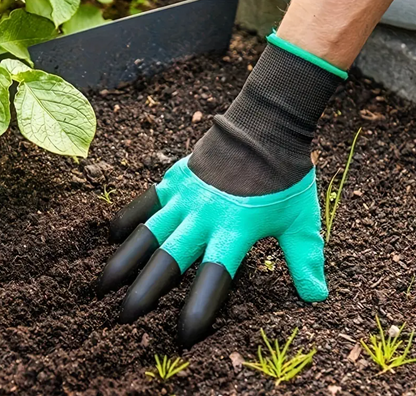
{"points": [[339, 192]]}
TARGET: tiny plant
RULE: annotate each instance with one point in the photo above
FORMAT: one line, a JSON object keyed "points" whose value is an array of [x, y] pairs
{"points": [[167, 368], [270, 265], [278, 365], [105, 196], [331, 196], [385, 352], [409, 288]]}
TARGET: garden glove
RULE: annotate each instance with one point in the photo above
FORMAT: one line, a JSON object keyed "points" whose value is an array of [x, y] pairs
{"points": [[250, 177]]}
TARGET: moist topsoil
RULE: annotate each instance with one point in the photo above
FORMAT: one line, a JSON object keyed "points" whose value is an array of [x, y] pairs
{"points": [[56, 338]]}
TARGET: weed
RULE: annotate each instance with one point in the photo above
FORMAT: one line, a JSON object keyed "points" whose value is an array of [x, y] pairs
{"points": [[409, 288], [278, 365], [269, 264], [105, 196], [331, 196], [167, 369], [386, 353]]}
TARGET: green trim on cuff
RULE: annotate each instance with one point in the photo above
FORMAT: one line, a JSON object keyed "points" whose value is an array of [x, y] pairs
{"points": [[301, 53]]}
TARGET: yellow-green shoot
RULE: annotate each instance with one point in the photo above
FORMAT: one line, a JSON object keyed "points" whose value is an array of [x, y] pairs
{"points": [[167, 368], [409, 288], [388, 353], [336, 197], [105, 196], [278, 365]]}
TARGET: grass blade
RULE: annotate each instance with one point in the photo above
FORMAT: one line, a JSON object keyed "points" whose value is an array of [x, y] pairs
{"points": [[386, 353], [339, 192], [278, 365], [176, 371]]}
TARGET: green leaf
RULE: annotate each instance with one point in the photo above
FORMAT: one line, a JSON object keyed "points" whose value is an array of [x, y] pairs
{"points": [[58, 11], [5, 82], [53, 114], [14, 67], [63, 10], [86, 17], [40, 7], [21, 30], [105, 1]]}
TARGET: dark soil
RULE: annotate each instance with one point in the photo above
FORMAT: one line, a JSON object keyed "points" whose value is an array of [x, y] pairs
{"points": [[56, 338]]}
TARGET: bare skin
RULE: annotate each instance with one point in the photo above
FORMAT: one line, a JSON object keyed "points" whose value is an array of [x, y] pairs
{"points": [[334, 30]]}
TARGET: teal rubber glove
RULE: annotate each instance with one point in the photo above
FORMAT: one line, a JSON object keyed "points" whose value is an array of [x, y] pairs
{"points": [[250, 177], [189, 219], [198, 220]]}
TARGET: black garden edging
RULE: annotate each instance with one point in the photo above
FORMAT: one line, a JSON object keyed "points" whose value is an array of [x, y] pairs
{"points": [[120, 51]]}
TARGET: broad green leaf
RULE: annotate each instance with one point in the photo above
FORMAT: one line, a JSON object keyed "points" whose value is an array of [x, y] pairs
{"points": [[40, 7], [14, 67], [105, 1], [58, 11], [5, 82], [21, 30], [63, 10], [53, 114], [86, 17]]}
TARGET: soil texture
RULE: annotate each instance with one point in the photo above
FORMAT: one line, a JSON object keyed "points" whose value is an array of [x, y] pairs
{"points": [[56, 338]]}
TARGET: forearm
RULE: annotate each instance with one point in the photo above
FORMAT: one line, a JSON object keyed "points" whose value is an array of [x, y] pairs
{"points": [[333, 30]]}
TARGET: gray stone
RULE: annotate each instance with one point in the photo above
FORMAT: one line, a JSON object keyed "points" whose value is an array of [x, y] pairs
{"points": [[401, 13], [389, 57]]}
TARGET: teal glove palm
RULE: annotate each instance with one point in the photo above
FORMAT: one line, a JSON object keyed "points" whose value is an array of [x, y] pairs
{"points": [[250, 177], [198, 220]]}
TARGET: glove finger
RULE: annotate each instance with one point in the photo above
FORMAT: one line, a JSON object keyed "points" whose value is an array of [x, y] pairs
{"points": [[126, 261], [137, 249], [136, 212], [304, 253], [223, 256], [208, 292], [163, 271], [158, 277]]}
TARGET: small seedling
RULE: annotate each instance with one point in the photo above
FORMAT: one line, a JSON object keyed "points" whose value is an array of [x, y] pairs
{"points": [[332, 196], [408, 291], [386, 353], [278, 365], [269, 264], [105, 196], [167, 369]]}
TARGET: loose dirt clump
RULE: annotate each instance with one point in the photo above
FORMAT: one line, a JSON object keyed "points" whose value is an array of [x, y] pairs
{"points": [[56, 338]]}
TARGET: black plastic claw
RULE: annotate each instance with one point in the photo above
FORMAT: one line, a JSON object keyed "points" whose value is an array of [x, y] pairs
{"points": [[208, 292], [136, 212], [160, 275], [123, 266]]}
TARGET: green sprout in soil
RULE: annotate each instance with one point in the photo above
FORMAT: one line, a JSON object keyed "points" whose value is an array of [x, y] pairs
{"points": [[167, 368], [385, 352], [269, 264], [105, 196], [408, 291], [278, 365], [332, 196]]}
